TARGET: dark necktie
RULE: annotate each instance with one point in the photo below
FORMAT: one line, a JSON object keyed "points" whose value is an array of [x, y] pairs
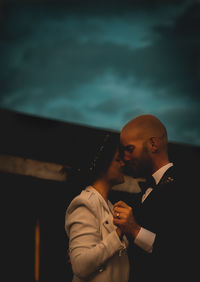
{"points": [[149, 183]]}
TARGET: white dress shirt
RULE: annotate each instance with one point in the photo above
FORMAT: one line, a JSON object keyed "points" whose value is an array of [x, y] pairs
{"points": [[146, 238]]}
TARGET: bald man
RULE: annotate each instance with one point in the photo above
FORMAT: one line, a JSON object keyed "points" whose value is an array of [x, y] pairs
{"points": [[157, 228]]}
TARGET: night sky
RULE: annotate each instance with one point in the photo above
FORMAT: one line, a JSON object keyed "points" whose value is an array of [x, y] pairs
{"points": [[101, 63]]}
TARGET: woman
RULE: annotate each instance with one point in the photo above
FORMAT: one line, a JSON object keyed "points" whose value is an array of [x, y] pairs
{"points": [[97, 247]]}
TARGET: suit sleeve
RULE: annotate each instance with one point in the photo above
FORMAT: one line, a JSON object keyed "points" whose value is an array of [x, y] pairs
{"points": [[88, 251]]}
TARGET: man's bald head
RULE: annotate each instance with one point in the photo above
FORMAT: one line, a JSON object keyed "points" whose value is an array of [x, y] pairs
{"points": [[144, 127], [144, 145]]}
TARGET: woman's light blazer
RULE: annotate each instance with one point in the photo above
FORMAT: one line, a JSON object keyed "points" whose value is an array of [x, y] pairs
{"points": [[96, 252]]}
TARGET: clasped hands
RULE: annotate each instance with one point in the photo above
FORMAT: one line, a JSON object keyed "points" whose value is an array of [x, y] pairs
{"points": [[124, 219]]}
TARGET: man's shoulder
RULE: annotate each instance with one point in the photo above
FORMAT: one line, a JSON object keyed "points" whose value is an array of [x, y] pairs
{"points": [[183, 174], [177, 173], [180, 181]]}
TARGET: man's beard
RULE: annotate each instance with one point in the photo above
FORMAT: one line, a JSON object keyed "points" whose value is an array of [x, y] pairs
{"points": [[141, 168]]}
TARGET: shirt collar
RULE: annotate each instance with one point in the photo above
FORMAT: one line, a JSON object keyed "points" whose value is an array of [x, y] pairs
{"points": [[159, 173]]}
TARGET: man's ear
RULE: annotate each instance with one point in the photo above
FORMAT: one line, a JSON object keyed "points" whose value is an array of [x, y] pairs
{"points": [[154, 144]]}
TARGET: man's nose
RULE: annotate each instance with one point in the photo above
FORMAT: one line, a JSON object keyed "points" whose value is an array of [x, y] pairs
{"points": [[126, 156]]}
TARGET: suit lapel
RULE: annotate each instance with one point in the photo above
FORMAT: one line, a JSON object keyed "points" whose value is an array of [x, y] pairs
{"points": [[149, 206], [168, 177]]}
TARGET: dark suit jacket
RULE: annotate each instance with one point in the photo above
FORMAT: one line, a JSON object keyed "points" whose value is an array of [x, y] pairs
{"points": [[167, 212]]}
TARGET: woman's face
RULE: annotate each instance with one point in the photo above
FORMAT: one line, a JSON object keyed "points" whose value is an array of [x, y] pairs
{"points": [[114, 174]]}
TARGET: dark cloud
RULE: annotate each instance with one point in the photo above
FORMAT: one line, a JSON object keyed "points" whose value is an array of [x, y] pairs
{"points": [[189, 23], [184, 37], [54, 51], [74, 59], [103, 3], [80, 63], [111, 106], [70, 112], [186, 122]]}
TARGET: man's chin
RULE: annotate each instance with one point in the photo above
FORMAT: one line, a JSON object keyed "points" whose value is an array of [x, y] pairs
{"points": [[121, 180], [135, 174], [130, 171]]}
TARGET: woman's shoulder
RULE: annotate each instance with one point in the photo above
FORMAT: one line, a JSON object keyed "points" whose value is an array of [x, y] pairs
{"points": [[86, 198]]}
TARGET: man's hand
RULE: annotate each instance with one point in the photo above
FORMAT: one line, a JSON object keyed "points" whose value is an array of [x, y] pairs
{"points": [[124, 219], [119, 233]]}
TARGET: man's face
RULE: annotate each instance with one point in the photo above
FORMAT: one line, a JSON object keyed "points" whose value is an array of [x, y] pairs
{"points": [[138, 162]]}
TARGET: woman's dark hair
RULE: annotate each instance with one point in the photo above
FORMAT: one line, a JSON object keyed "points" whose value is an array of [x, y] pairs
{"points": [[96, 167], [103, 158]]}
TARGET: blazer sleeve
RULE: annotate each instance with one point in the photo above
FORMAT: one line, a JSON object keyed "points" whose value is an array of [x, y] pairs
{"points": [[88, 251]]}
